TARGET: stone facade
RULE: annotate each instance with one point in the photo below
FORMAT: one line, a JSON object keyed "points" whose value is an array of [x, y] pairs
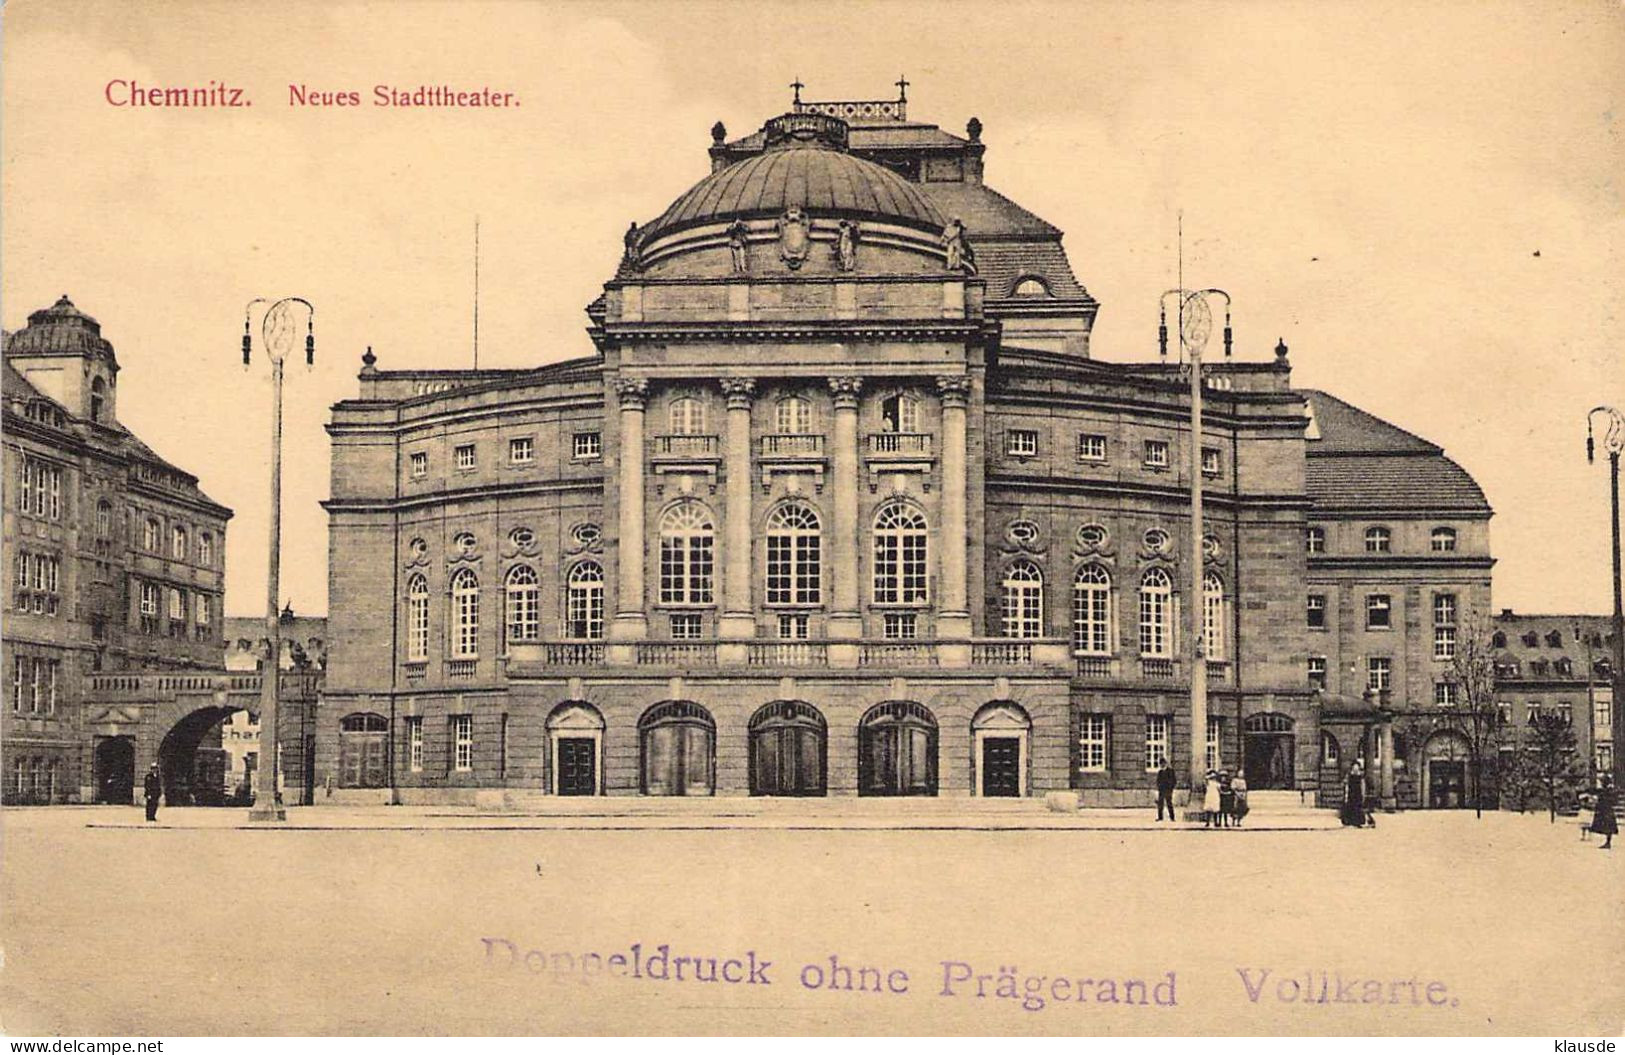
{"points": [[116, 558], [841, 505]]}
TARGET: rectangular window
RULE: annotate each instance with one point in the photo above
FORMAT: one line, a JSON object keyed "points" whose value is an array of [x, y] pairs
{"points": [[420, 464], [686, 626], [1210, 461], [1378, 673], [1215, 737], [1605, 714], [1532, 712], [793, 627], [414, 743], [1156, 741], [1444, 642], [463, 457], [521, 450], [1156, 454], [19, 678], [1317, 611], [1314, 539], [1093, 730], [687, 566], [1444, 694], [1317, 672], [202, 615], [1378, 612], [462, 739], [1444, 626], [587, 445], [1091, 447], [1022, 443], [417, 627], [900, 626], [55, 677]]}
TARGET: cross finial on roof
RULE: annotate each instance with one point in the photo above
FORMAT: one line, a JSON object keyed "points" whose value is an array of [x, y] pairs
{"points": [[797, 85], [902, 88]]}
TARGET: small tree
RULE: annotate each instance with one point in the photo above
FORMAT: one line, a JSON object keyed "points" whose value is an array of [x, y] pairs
{"points": [[1473, 712], [1548, 760]]}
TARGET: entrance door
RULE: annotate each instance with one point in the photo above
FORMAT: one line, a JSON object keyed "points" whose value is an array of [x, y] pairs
{"points": [[1447, 785], [578, 765], [115, 770], [1001, 766], [1268, 761]]}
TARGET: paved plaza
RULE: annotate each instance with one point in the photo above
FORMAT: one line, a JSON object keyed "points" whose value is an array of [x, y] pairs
{"points": [[417, 921]]}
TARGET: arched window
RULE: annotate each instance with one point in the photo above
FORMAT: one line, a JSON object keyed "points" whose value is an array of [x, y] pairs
{"points": [[794, 556], [1156, 613], [465, 614], [1213, 615], [104, 519], [678, 739], [177, 543], [1021, 601], [1378, 540], [150, 534], [205, 549], [897, 750], [900, 555], [687, 555], [793, 415], [417, 619], [98, 398], [524, 622], [900, 413], [1092, 610], [1031, 287], [584, 601], [686, 416], [788, 741], [363, 749], [1443, 540]]}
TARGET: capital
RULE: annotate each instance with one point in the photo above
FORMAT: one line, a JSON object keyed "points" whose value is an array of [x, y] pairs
{"points": [[738, 390], [633, 392], [955, 390], [845, 390]]}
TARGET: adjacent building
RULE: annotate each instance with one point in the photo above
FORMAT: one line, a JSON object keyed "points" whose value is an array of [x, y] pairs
{"points": [[840, 503], [116, 557], [1561, 665]]}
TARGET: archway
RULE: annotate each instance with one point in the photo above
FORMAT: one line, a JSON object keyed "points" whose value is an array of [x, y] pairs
{"points": [[999, 734], [897, 750], [1269, 747], [788, 745], [678, 739], [575, 744], [192, 762], [115, 770], [363, 750], [1445, 758]]}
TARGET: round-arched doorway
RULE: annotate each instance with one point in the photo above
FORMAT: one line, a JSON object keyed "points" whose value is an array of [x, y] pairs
{"points": [[115, 770], [897, 750], [788, 745], [1269, 747], [1445, 759], [678, 741], [191, 760]]}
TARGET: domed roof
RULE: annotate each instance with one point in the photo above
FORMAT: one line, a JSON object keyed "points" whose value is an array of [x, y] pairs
{"points": [[805, 163], [61, 329]]}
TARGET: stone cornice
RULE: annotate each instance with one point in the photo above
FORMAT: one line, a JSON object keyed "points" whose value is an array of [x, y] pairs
{"points": [[1033, 485], [434, 498]]}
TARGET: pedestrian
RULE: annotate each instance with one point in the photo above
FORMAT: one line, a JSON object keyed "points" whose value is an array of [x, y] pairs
{"points": [[153, 786], [1603, 820], [1165, 789], [1210, 800], [1238, 784], [1227, 800], [1353, 814]]}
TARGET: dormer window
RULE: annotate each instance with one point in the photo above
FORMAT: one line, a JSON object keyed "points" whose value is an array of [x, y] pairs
{"points": [[1030, 286]]}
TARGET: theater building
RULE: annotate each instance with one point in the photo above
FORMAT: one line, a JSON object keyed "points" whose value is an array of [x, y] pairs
{"points": [[840, 503], [116, 560]]}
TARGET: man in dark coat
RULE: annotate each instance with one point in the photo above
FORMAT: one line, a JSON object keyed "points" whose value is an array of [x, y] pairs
{"points": [[153, 786], [1165, 789], [1603, 820]]}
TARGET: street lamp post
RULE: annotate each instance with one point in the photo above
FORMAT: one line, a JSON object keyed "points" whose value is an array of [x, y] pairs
{"points": [[279, 327], [1613, 442], [1195, 327]]}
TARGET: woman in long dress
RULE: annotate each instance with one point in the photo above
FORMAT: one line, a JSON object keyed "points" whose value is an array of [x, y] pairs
{"points": [[1354, 798], [1210, 800], [1238, 784], [1603, 820]]}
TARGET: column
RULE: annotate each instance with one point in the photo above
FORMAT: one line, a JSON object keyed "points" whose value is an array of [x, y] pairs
{"points": [[845, 621], [953, 618], [631, 622], [1386, 786], [737, 621]]}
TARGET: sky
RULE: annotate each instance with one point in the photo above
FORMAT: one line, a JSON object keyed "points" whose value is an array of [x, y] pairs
{"points": [[1423, 200]]}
